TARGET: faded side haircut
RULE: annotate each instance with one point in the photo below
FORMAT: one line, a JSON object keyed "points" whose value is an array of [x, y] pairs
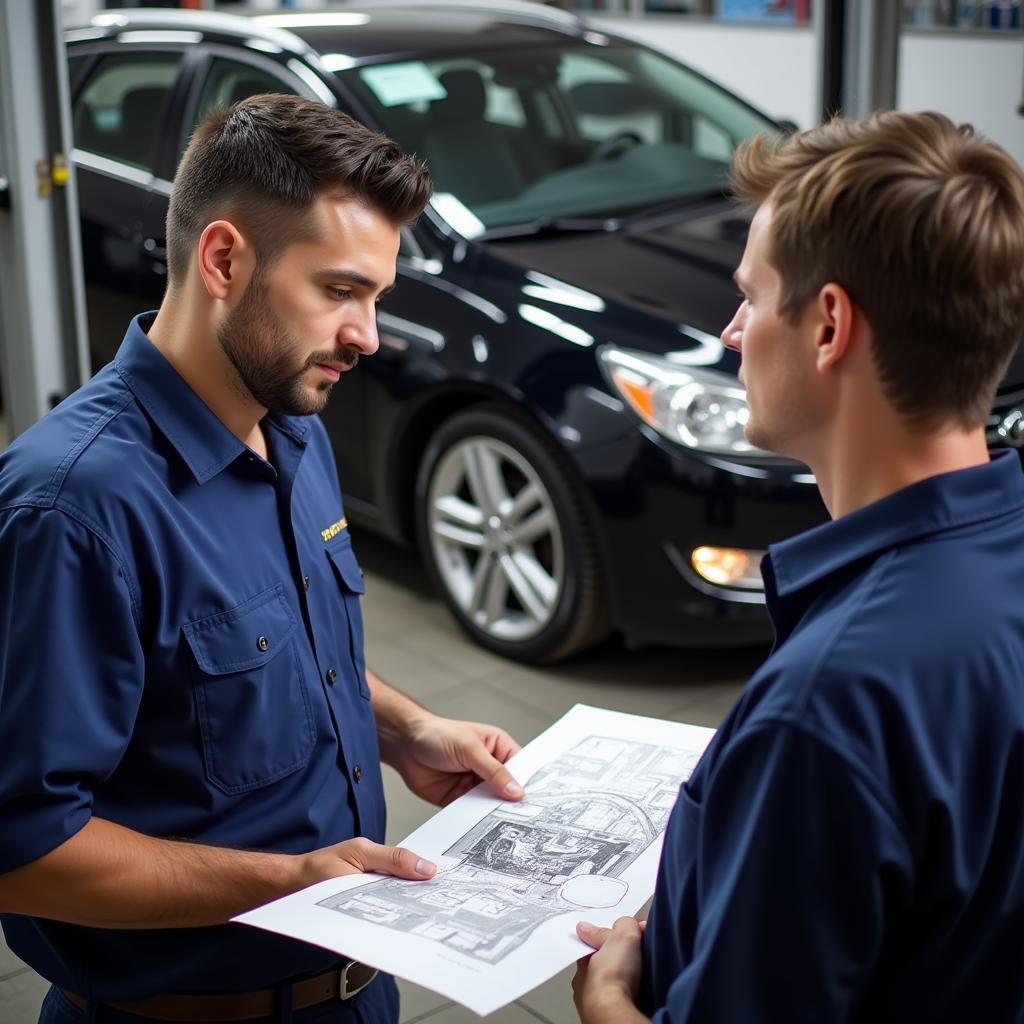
{"points": [[922, 222], [267, 160]]}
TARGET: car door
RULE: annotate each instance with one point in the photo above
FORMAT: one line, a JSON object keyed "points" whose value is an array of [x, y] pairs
{"points": [[121, 103]]}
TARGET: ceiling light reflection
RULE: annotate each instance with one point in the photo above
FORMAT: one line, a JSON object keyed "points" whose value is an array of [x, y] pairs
{"points": [[709, 348], [552, 290], [348, 19], [556, 325], [337, 61]]}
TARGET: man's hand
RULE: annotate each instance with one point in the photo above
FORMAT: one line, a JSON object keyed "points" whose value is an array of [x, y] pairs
{"points": [[606, 982], [358, 855], [440, 759], [443, 758], [107, 876]]}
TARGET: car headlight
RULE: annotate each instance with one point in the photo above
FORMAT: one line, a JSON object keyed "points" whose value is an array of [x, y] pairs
{"points": [[696, 407]]}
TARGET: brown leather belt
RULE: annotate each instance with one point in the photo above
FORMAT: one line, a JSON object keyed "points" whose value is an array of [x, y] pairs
{"points": [[338, 984]]}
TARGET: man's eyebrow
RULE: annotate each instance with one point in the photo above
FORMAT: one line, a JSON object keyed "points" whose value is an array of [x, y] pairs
{"points": [[353, 277], [743, 285]]}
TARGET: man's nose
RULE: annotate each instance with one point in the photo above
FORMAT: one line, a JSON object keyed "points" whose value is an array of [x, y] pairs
{"points": [[361, 335], [732, 336]]}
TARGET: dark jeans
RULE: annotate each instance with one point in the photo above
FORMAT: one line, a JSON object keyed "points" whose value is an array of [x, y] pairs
{"points": [[376, 1004]]}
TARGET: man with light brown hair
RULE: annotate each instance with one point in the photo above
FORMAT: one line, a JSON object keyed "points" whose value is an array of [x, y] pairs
{"points": [[851, 846]]}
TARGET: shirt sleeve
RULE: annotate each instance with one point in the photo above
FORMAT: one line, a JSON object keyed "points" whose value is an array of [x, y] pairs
{"points": [[799, 868], [71, 677]]}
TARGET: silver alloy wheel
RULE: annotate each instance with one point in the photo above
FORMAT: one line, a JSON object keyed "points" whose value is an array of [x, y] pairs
{"points": [[496, 538]]}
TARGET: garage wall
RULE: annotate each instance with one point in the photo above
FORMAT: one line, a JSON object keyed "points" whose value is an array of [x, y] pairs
{"points": [[975, 79], [772, 67], [969, 78]]}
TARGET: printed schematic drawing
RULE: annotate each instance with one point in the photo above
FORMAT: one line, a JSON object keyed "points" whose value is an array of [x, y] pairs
{"points": [[587, 816]]}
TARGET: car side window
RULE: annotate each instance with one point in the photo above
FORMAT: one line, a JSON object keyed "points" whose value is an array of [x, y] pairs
{"points": [[228, 81], [120, 110], [711, 140]]}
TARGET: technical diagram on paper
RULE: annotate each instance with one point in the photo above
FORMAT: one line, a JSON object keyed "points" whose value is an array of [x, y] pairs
{"points": [[513, 879]]}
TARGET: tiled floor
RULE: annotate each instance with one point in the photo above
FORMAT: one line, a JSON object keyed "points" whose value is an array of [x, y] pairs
{"points": [[414, 644]]}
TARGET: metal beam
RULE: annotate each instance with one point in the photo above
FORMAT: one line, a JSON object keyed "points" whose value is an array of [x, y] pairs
{"points": [[858, 55], [829, 19], [43, 339]]}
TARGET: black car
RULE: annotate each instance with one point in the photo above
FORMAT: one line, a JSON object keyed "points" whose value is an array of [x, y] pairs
{"points": [[551, 416]]}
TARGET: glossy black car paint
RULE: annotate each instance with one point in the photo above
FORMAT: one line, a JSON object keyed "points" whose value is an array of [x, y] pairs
{"points": [[452, 334]]}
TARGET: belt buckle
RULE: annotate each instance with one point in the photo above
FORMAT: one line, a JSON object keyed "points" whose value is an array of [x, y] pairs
{"points": [[344, 992]]}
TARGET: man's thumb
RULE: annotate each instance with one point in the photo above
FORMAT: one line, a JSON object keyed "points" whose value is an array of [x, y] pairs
{"points": [[397, 861]]}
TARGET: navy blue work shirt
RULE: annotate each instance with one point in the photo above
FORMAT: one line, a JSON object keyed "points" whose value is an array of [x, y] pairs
{"points": [[181, 652], [851, 845]]}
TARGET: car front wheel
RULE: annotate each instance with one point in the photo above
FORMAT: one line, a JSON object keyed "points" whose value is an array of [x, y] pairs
{"points": [[505, 538]]}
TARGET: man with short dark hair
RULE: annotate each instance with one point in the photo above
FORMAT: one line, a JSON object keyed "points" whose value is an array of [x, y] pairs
{"points": [[851, 845], [187, 723]]}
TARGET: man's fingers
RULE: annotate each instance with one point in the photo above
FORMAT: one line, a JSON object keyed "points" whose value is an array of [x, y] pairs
{"points": [[597, 937], [389, 860], [592, 935], [498, 777], [503, 783], [460, 789], [505, 747]]}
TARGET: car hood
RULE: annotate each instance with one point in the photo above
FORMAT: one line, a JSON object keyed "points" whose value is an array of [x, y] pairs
{"points": [[676, 275], [670, 285]]}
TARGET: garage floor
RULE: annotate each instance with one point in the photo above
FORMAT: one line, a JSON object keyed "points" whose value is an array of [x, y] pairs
{"points": [[414, 644]]}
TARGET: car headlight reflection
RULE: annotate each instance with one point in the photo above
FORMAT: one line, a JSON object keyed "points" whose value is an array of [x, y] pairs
{"points": [[702, 409]]}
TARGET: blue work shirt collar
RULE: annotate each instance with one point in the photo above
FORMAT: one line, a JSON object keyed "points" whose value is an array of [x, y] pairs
{"points": [[201, 439], [927, 507]]}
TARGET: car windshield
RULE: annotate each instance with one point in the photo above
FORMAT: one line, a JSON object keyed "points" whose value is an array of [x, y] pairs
{"points": [[519, 137]]}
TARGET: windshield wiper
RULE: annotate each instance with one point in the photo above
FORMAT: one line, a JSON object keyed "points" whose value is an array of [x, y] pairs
{"points": [[672, 205], [546, 227]]}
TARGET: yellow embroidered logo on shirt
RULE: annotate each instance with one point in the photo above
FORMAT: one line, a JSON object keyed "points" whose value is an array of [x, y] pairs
{"points": [[334, 529]]}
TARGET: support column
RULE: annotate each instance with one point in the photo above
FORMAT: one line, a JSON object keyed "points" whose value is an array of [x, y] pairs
{"points": [[43, 339], [858, 55]]}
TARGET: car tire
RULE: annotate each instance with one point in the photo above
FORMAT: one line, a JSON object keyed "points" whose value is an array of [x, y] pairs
{"points": [[504, 536]]}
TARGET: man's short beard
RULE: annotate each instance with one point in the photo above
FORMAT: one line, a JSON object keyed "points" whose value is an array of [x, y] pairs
{"points": [[262, 352]]}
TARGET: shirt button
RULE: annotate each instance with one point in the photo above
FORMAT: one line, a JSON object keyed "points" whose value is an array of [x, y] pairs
{"points": [[357, 774], [331, 675], [305, 583], [262, 643]]}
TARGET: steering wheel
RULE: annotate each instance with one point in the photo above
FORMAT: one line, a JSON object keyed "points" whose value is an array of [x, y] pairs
{"points": [[616, 145]]}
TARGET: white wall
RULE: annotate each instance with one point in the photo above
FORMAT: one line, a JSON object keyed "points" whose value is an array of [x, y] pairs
{"points": [[974, 79], [772, 67], [971, 78]]}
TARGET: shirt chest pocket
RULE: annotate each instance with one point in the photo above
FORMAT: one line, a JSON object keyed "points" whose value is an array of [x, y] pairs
{"points": [[352, 586], [252, 701]]}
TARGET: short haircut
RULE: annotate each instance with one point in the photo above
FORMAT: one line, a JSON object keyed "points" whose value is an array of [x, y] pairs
{"points": [[267, 160], [921, 221]]}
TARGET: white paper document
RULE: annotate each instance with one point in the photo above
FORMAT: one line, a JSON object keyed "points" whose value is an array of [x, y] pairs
{"points": [[513, 879]]}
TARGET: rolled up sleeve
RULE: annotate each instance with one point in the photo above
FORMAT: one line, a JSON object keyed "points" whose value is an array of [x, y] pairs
{"points": [[71, 676]]}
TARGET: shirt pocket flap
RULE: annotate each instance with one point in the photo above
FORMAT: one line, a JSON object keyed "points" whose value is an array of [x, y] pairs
{"points": [[244, 637], [344, 559]]}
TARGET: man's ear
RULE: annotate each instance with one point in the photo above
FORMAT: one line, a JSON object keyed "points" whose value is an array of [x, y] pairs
{"points": [[226, 260], [834, 314]]}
